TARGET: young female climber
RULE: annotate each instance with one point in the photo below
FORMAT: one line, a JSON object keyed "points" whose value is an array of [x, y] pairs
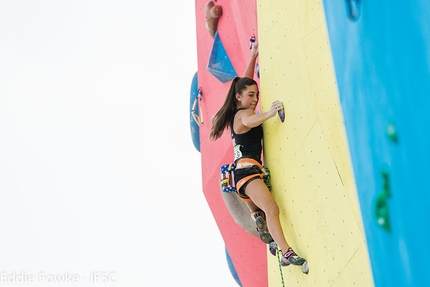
{"points": [[237, 114]]}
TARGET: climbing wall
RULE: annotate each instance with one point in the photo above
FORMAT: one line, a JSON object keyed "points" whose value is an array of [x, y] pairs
{"points": [[235, 26], [382, 62], [308, 154]]}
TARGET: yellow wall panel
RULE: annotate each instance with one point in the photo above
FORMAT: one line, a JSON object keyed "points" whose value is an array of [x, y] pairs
{"points": [[308, 154], [351, 194], [352, 274]]}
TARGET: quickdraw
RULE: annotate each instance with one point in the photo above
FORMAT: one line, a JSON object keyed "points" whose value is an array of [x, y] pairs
{"points": [[251, 40], [198, 116]]}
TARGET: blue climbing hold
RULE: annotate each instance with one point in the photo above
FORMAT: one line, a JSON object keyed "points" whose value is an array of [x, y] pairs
{"points": [[219, 63], [232, 269], [194, 112]]}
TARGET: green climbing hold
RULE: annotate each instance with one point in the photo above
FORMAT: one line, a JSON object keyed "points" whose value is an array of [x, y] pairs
{"points": [[381, 210], [392, 133]]}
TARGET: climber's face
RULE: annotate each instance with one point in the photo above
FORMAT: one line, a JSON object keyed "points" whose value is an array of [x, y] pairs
{"points": [[248, 98]]}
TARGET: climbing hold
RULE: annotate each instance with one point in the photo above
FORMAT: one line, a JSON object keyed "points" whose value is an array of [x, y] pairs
{"points": [[392, 133], [232, 268], [251, 40], [219, 63], [381, 203], [257, 70], [353, 9], [213, 12], [281, 114], [381, 211], [195, 121], [305, 267]]}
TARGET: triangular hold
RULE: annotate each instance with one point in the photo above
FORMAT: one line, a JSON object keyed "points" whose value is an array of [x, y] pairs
{"points": [[219, 63]]}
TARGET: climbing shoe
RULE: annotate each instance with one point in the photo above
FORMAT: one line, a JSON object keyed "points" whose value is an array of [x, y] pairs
{"points": [[273, 247], [262, 230], [290, 257]]}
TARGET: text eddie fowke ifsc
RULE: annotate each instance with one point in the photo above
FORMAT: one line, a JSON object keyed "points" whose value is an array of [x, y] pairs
{"points": [[43, 277]]}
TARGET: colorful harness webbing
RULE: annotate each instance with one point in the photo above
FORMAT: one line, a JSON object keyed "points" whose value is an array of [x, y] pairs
{"points": [[227, 176]]}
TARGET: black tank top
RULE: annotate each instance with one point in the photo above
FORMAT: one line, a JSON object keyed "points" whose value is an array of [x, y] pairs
{"points": [[247, 145]]}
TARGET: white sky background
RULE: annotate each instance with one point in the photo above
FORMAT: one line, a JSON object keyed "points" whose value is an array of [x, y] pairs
{"points": [[97, 167]]}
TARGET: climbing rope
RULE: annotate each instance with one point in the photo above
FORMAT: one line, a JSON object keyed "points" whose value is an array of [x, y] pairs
{"points": [[280, 266], [198, 117]]}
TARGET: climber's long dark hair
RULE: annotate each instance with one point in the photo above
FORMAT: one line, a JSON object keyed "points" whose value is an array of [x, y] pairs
{"points": [[224, 116]]}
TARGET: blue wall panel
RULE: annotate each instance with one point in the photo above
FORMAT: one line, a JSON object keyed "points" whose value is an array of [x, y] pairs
{"points": [[382, 60]]}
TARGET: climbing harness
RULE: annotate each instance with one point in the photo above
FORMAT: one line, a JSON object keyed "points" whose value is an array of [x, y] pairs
{"points": [[227, 176], [198, 117]]}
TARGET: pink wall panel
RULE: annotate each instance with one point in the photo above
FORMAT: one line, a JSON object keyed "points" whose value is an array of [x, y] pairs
{"points": [[235, 26]]}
